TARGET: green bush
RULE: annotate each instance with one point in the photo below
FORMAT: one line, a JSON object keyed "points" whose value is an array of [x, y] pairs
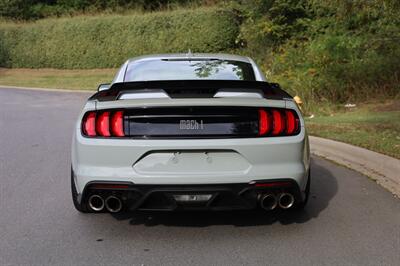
{"points": [[270, 23], [335, 68], [16, 9], [108, 40], [36, 9], [329, 51]]}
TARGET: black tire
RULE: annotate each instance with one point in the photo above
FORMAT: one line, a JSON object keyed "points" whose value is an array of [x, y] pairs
{"points": [[303, 204], [78, 206]]}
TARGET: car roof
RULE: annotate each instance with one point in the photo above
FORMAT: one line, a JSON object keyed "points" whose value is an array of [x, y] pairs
{"points": [[192, 56]]}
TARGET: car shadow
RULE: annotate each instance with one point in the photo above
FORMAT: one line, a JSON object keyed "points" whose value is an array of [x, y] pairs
{"points": [[323, 188]]}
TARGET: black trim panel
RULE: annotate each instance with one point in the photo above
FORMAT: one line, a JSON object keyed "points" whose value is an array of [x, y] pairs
{"points": [[191, 122]]}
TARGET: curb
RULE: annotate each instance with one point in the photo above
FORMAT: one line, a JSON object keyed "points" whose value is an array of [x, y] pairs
{"points": [[45, 89], [383, 169]]}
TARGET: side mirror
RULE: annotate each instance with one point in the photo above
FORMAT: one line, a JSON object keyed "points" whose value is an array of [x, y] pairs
{"points": [[103, 87]]}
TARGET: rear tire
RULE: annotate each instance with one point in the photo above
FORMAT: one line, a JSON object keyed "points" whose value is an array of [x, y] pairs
{"points": [[78, 206], [303, 204]]}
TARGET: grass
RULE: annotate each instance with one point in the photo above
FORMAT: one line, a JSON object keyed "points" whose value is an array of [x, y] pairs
{"points": [[375, 126], [56, 78]]}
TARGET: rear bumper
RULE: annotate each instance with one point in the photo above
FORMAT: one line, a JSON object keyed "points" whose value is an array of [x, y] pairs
{"points": [[241, 196], [235, 160]]}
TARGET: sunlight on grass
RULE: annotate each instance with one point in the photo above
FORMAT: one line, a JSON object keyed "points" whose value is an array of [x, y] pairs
{"points": [[56, 79], [375, 127]]}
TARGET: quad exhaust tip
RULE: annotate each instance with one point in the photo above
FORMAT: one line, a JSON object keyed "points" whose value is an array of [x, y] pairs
{"points": [[96, 203], [268, 202], [285, 200], [113, 204]]}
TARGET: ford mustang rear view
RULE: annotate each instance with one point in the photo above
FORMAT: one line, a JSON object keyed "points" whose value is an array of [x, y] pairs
{"points": [[190, 132]]}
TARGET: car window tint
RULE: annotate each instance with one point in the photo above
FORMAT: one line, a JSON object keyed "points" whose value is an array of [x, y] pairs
{"points": [[189, 70]]}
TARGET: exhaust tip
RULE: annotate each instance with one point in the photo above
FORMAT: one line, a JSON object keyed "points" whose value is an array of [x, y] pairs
{"points": [[268, 202], [96, 203], [113, 204], [286, 200]]}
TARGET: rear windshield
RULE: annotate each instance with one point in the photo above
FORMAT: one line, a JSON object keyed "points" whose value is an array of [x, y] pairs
{"points": [[189, 70]]}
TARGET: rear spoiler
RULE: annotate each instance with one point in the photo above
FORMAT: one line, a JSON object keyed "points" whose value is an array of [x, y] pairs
{"points": [[192, 88]]}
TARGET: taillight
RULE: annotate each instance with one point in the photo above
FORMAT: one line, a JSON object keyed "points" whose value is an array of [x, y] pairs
{"points": [[292, 122], [103, 124], [264, 124], [277, 122], [271, 122], [89, 124], [117, 124]]}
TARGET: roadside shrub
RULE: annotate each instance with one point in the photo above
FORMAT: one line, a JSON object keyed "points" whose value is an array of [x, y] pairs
{"points": [[17, 9], [341, 51], [35, 9], [267, 24], [338, 68], [108, 40]]}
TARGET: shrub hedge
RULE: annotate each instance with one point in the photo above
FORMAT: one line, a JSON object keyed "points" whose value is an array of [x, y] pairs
{"points": [[107, 40], [328, 52]]}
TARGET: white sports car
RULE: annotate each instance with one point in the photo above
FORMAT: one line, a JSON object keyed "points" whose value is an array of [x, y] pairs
{"points": [[190, 132]]}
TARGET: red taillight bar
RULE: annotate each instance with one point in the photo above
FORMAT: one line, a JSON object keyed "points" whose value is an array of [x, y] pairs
{"points": [[103, 124], [117, 124], [273, 184], [89, 124], [271, 122], [264, 123], [292, 122], [277, 122], [109, 186]]}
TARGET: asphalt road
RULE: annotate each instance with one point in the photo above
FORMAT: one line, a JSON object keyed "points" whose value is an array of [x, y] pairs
{"points": [[350, 220]]}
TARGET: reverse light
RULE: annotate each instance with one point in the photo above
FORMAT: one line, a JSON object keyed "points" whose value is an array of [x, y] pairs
{"points": [[192, 197]]}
